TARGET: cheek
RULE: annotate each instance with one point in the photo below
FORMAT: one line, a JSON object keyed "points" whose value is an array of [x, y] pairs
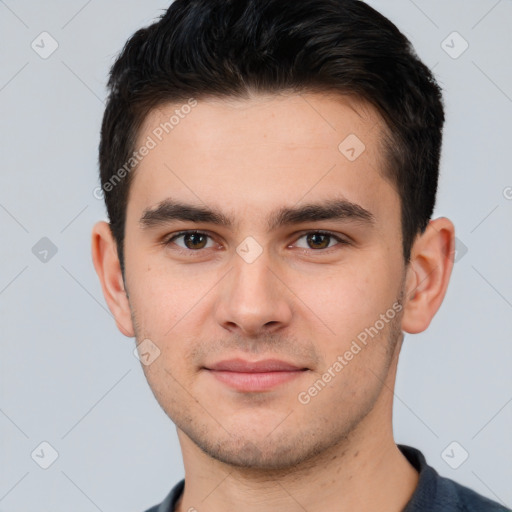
{"points": [[163, 296], [348, 299], [165, 386]]}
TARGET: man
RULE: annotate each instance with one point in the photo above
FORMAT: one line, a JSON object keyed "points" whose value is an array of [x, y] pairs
{"points": [[270, 171]]}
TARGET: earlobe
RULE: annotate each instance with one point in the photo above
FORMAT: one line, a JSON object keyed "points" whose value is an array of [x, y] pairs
{"points": [[428, 274], [108, 268]]}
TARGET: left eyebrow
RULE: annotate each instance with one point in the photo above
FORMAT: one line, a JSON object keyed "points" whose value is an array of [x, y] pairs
{"points": [[334, 209]]}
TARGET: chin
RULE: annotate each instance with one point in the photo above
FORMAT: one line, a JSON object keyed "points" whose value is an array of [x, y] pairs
{"points": [[257, 452]]}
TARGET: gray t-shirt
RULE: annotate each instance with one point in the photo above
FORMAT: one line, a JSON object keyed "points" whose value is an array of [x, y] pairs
{"points": [[434, 493]]}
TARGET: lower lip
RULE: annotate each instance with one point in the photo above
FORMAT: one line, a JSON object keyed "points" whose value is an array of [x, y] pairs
{"points": [[252, 382]]}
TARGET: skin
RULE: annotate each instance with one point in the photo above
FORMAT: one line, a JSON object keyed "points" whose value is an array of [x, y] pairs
{"points": [[302, 300]]}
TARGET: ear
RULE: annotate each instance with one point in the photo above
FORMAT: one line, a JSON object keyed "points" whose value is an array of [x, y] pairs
{"points": [[107, 265], [428, 274]]}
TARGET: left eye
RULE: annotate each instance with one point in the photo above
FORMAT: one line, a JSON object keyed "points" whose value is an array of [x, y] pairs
{"points": [[319, 240]]}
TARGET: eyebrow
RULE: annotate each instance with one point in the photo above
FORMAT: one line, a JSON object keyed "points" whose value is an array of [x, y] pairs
{"points": [[170, 210]]}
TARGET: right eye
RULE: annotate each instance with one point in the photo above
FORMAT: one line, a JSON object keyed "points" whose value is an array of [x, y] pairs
{"points": [[191, 240]]}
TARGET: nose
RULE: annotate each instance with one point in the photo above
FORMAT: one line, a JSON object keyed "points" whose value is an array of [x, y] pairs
{"points": [[253, 300]]}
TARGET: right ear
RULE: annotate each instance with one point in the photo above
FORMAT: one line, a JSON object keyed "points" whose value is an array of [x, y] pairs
{"points": [[107, 265]]}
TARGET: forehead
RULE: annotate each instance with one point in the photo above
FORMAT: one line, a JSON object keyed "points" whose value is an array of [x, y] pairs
{"points": [[258, 152]]}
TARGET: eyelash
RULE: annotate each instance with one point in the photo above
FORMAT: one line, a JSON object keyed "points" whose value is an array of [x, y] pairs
{"points": [[190, 252]]}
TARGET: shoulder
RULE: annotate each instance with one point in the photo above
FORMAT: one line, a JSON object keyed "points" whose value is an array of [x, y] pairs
{"points": [[435, 493], [171, 499], [465, 499]]}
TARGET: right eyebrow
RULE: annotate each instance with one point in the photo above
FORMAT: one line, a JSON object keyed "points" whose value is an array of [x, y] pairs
{"points": [[169, 210]]}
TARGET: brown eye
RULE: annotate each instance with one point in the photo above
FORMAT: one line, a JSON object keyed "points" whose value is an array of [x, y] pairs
{"points": [[194, 240], [318, 240], [191, 240]]}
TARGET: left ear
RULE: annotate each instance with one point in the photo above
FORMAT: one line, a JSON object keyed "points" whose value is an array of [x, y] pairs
{"points": [[428, 274]]}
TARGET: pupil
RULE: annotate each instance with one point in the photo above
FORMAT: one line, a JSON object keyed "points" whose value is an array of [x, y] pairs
{"points": [[313, 239], [191, 240]]}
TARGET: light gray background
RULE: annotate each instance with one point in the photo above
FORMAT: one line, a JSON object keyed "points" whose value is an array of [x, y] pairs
{"points": [[69, 378]]}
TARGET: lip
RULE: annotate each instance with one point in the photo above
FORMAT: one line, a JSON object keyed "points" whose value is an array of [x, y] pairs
{"points": [[243, 366], [254, 376]]}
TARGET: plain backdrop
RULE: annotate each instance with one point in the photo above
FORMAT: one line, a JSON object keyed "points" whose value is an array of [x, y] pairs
{"points": [[70, 380]]}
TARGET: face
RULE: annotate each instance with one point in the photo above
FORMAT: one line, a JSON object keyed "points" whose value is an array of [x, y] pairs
{"points": [[264, 270]]}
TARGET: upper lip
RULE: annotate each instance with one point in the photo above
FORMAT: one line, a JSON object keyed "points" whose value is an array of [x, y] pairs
{"points": [[243, 366]]}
